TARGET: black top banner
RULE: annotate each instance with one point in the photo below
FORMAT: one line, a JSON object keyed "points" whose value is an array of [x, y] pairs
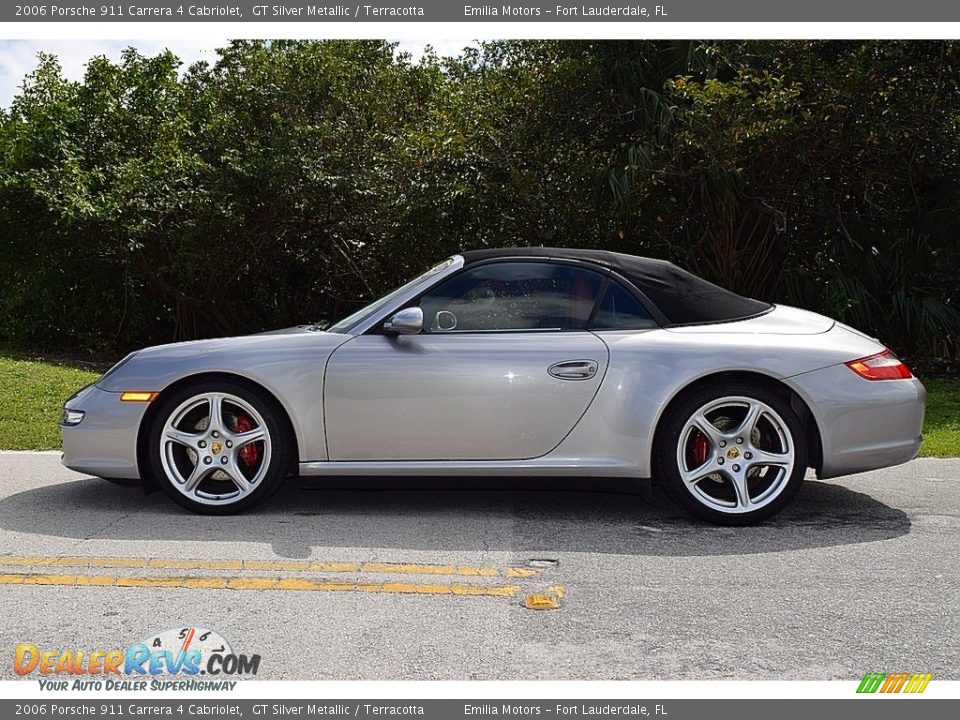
{"points": [[458, 11]]}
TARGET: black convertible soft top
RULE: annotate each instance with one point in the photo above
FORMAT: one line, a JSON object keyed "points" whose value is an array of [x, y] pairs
{"points": [[681, 297]]}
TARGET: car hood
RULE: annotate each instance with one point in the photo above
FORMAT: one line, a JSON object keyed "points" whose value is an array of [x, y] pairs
{"points": [[295, 330], [234, 342], [154, 367], [781, 320]]}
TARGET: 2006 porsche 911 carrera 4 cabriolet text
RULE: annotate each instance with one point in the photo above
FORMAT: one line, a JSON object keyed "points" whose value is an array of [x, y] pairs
{"points": [[522, 362]]}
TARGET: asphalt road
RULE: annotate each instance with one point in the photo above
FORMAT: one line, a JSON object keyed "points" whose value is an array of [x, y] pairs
{"points": [[417, 580]]}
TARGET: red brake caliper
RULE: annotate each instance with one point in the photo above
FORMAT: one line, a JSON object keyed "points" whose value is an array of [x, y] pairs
{"points": [[701, 446], [250, 453]]}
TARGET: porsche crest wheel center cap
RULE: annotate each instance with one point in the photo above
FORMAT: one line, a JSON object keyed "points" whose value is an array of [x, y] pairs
{"points": [[733, 453], [215, 448]]}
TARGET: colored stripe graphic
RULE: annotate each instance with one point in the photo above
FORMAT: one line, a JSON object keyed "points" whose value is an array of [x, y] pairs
{"points": [[918, 683], [870, 683], [897, 682], [894, 682]]}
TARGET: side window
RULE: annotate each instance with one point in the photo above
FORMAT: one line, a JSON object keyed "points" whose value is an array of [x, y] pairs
{"points": [[620, 310], [513, 296]]}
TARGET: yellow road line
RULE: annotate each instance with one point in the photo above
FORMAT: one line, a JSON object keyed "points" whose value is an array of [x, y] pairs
{"points": [[522, 572], [264, 565], [257, 583]]}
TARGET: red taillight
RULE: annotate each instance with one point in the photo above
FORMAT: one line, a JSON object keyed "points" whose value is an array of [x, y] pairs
{"points": [[882, 366]]}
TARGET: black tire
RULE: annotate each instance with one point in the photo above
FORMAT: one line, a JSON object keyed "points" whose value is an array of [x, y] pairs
{"points": [[666, 466], [279, 460]]}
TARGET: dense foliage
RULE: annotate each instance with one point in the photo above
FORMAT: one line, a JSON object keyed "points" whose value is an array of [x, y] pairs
{"points": [[290, 181]]}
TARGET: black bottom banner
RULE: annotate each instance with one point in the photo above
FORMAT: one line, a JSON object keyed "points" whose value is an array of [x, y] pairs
{"points": [[872, 708]]}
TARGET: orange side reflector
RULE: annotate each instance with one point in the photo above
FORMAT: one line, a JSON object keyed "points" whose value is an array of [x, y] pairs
{"points": [[138, 396]]}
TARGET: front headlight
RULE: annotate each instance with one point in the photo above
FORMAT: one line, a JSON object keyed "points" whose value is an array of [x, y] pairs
{"points": [[69, 417]]}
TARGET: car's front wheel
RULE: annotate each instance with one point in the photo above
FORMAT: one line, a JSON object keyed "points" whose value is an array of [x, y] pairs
{"points": [[218, 448], [734, 454]]}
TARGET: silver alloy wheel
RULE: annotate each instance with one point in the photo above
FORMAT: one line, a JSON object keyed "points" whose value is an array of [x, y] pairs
{"points": [[735, 454], [207, 447]]}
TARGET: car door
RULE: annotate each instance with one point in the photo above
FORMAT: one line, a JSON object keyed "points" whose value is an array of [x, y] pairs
{"points": [[502, 370]]}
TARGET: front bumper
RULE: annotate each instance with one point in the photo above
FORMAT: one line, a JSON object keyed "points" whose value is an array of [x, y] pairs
{"points": [[104, 443], [864, 425]]}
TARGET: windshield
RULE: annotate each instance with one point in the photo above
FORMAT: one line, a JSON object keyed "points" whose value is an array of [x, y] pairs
{"points": [[365, 312]]}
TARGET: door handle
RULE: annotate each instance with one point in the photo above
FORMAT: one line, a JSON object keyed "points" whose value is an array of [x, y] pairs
{"points": [[573, 369]]}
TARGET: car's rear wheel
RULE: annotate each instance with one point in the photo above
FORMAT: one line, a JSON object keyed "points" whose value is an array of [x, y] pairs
{"points": [[218, 448], [734, 454]]}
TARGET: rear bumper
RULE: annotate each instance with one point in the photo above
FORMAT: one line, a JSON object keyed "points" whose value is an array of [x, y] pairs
{"points": [[105, 442], [864, 425]]}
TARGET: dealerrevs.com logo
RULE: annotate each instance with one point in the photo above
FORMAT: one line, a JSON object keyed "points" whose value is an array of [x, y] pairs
{"points": [[188, 658]]}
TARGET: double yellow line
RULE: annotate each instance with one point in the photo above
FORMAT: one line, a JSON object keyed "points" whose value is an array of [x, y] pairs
{"points": [[253, 582]]}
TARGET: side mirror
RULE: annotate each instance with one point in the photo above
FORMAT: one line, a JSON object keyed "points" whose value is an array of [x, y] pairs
{"points": [[408, 321]]}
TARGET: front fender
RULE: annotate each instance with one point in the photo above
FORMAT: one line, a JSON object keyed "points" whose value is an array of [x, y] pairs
{"points": [[289, 366]]}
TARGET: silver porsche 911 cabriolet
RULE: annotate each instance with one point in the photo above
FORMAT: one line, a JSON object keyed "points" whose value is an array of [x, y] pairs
{"points": [[522, 362]]}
